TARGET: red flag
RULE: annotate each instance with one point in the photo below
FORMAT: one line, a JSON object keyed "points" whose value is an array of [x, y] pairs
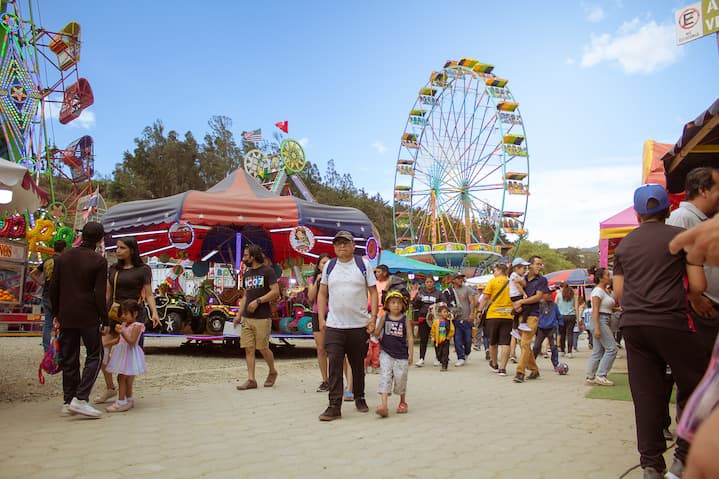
{"points": [[282, 125]]}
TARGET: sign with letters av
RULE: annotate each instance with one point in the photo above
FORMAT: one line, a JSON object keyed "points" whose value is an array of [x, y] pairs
{"points": [[696, 20]]}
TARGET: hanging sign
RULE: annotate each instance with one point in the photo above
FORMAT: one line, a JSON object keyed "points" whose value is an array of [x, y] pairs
{"points": [[301, 239], [181, 235]]}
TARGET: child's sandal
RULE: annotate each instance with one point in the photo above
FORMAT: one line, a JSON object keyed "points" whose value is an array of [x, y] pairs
{"points": [[381, 411], [402, 408]]}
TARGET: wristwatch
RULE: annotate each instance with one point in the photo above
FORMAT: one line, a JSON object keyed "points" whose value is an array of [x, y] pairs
{"points": [[259, 302]]}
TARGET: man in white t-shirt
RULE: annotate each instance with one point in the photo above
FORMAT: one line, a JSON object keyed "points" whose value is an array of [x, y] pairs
{"points": [[346, 282]]}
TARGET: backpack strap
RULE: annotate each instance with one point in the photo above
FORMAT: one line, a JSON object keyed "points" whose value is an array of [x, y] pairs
{"points": [[358, 261]]}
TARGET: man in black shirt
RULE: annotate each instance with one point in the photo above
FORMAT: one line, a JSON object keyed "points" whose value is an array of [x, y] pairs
{"points": [[260, 285], [657, 328]]}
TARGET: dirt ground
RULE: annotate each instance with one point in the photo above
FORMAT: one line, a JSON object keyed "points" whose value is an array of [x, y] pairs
{"points": [[170, 365]]}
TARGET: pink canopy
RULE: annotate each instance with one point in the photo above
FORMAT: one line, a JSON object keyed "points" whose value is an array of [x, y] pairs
{"points": [[611, 232]]}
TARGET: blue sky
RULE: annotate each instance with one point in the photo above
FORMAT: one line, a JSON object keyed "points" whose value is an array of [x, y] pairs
{"points": [[594, 81]]}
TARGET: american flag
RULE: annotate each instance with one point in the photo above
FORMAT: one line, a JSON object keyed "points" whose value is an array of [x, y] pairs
{"points": [[254, 135]]}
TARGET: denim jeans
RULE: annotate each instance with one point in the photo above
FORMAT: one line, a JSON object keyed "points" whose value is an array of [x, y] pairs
{"points": [[47, 325], [604, 352], [462, 338]]}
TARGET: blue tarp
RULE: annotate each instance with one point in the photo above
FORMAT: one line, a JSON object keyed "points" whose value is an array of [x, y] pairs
{"points": [[401, 264]]}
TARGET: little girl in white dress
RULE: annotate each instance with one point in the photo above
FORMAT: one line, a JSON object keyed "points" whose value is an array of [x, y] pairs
{"points": [[127, 359]]}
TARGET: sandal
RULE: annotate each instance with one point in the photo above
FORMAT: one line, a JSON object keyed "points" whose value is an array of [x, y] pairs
{"points": [[402, 408], [381, 411]]}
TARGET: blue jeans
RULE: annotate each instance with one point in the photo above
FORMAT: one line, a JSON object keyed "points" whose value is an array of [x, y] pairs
{"points": [[47, 325], [462, 338], [604, 352]]}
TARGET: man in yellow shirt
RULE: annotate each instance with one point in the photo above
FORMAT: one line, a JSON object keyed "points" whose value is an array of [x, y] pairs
{"points": [[498, 326]]}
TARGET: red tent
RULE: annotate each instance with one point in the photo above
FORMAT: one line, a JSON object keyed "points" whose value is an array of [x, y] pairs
{"points": [[203, 225]]}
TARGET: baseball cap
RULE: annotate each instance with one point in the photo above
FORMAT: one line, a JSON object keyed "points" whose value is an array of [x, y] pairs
{"points": [[459, 275], [343, 235], [519, 262], [644, 193]]}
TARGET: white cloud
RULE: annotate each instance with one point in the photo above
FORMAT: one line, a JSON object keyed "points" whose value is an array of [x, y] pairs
{"points": [[569, 61], [85, 121], [304, 141], [595, 13], [566, 206], [380, 147], [637, 46]]}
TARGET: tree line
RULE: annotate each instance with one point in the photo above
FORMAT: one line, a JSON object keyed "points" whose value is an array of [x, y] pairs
{"points": [[163, 163]]}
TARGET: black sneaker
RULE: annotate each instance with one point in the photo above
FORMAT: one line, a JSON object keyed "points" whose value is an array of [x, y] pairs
{"points": [[323, 387], [533, 375], [494, 367], [330, 414], [361, 405], [502, 372], [519, 378]]}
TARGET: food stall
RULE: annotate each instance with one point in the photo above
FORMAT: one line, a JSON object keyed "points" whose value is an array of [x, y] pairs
{"points": [[13, 261]]}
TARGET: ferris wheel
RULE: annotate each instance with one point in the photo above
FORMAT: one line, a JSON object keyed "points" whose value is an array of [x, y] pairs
{"points": [[462, 176]]}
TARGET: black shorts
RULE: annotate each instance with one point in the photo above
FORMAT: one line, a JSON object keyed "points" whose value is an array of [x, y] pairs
{"points": [[315, 322], [498, 331]]}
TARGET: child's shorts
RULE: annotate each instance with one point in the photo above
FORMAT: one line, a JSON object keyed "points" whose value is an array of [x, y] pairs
{"points": [[392, 371]]}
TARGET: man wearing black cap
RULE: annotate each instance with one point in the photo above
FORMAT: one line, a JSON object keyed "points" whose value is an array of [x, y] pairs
{"points": [[346, 281], [657, 329], [77, 293]]}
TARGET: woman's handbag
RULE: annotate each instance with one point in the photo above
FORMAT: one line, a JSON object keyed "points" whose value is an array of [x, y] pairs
{"points": [[114, 313]]}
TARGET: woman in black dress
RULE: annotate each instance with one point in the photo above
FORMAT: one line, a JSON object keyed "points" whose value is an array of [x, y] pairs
{"points": [[129, 278]]}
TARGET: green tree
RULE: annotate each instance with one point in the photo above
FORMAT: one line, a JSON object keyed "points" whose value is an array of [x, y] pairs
{"points": [[160, 165], [553, 260], [219, 154]]}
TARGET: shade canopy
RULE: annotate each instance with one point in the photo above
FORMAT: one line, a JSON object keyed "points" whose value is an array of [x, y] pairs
{"points": [[573, 277], [697, 146], [26, 195], [205, 224], [403, 264]]}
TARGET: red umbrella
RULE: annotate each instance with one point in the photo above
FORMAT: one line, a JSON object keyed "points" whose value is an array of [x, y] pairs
{"points": [[573, 277]]}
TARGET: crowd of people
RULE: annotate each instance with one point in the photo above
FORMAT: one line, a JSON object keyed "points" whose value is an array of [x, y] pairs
{"points": [[664, 291]]}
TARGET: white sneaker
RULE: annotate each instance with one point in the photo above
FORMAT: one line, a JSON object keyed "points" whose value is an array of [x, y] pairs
{"points": [[459, 363], [65, 410], [420, 363], [82, 407], [603, 381], [436, 362], [569, 356], [524, 327]]}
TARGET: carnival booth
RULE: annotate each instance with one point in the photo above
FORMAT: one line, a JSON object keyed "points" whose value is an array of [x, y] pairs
{"points": [[19, 197], [616, 227], [697, 146], [215, 225]]}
